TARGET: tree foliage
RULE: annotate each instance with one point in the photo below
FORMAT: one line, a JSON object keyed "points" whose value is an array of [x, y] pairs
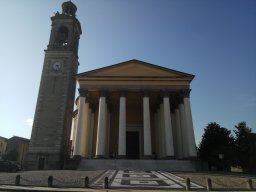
{"points": [[245, 145], [217, 146], [239, 150]]}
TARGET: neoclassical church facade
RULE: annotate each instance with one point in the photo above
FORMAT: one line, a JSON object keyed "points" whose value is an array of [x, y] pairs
{"points": [[130, 110], [134, 110]]}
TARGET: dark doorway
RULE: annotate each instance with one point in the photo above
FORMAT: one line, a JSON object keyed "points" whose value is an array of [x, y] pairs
{"points": [[132, 145], [41, 162]]}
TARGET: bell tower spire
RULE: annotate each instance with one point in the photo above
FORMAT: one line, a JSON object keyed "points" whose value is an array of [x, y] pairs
{"points": [[69, 8], [50, 138]]}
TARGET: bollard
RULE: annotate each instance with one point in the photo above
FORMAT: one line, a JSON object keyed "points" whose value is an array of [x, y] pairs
{"points": [[17, 180], [250, 186], [105, 183], [187, 184], [209, 184], [50, 181], [86, 182]]}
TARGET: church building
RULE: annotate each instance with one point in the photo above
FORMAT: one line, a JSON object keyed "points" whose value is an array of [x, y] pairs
{"points": [[130, 110], [134, 110]]}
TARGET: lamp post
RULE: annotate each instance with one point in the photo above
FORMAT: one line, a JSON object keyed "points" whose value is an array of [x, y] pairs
{"points": [[221, 157]]}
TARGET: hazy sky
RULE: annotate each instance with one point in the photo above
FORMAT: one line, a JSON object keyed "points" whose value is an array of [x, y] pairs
{"points": [[214, 40]]}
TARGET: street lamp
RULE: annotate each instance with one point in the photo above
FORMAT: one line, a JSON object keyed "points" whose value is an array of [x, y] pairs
{"points": [[221, 157]]}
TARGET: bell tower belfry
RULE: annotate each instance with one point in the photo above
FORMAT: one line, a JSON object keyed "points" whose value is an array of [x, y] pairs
{"points": [[50, 138]]}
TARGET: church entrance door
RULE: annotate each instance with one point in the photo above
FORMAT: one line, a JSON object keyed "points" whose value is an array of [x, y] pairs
{"points": [[132, 145], [41, 162]]}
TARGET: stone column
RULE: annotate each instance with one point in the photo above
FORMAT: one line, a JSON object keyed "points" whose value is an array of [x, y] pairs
{"points": [[158, 127], [192, 152], [86, 130], [107, 131], [101, 134], [178, 134], [74, 134], [183, 125], [162, 133], [83, 109], [156, 134], [90, 138], [174, 132], [122, 128], [169, 151], [146, 128]]}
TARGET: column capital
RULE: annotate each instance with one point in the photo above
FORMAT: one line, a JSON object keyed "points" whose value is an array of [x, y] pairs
{"points": [[102, 93], [82, 92], [165, 93], [123, 93], [186, 93], [145, 93]]}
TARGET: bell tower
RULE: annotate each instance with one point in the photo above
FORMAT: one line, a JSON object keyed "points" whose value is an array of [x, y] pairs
{"points": [[50, 138]]}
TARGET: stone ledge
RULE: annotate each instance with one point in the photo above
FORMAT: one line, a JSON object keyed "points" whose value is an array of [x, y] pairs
{"points": [[142, 164]]}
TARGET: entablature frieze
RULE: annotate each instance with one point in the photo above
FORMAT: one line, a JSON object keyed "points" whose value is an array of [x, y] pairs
{"points": [[173, 92], [134, 97]]}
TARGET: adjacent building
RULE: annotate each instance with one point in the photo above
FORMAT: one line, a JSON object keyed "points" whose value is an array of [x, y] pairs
{"points": [[20, 145], [134, 110], [3, 143]]}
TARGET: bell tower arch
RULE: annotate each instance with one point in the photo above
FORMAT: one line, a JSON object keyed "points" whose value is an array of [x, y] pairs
{"points": [[50, 137]]}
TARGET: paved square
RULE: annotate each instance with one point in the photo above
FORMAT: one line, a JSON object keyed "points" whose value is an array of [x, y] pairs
{"points": [[143, 179]]}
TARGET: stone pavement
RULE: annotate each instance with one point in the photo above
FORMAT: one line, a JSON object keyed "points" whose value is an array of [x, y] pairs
{"points": [[123, 180], [142, 180], [47, 189], [118, 180]]}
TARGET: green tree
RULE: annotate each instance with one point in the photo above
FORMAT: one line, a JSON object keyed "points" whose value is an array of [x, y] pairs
{"points": [[217, 146], [11, 155], [245, 142]]}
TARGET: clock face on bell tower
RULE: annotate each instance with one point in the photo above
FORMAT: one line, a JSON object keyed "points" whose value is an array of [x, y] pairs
{"points": [[56, 66], [50, 138]]}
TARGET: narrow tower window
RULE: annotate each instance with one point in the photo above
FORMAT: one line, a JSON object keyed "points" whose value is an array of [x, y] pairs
{"points": [[62, 37]]}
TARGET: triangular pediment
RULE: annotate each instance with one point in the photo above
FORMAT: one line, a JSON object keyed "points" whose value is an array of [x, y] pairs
{"points": [[135, 68]]}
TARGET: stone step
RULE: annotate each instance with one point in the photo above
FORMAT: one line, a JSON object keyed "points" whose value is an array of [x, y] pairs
{"points": [[143, 165]]}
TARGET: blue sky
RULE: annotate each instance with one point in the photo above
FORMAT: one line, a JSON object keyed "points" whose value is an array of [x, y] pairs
{"points": [[212, 39]]}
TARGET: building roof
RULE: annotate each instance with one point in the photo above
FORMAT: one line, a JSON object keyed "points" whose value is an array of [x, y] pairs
{"points": [[137, 64], [19, 138], [134, 75], [3, 138]]}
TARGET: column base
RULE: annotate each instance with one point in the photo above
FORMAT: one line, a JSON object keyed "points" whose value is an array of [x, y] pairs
{"points": [[121, 157], [148, 157], [100, 157]]}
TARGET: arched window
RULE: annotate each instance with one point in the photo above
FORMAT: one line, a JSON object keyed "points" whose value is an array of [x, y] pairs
{"points": [[62, 36]]}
